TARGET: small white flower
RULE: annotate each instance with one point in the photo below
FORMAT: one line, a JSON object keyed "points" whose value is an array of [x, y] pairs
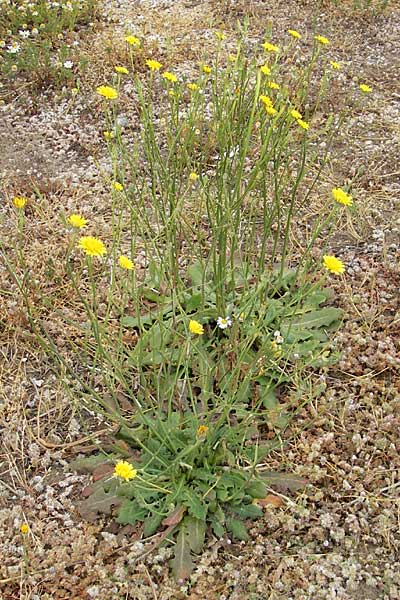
{"points": [[278, 337], [68, 64], [224, 323], [24, 33], [14, 48]]}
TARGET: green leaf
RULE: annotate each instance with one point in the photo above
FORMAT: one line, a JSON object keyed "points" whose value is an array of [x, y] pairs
{"points": [[130, 513], [196, 273], [248, 511], [256, 489], [218, 528], [194, 505], [196, 530], [100, 501], [237, 529], [182, 564], [316, 318], [194, 302], [151, 524]]}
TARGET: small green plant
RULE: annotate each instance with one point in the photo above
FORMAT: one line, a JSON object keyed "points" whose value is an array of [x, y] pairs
{"points": [[35, 38], [197, 350]]}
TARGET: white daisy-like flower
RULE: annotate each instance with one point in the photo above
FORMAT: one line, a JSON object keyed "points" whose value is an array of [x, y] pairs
{"points": [[24, 33], [223, 323], [278, 337], [68, 64], [14, 48]]}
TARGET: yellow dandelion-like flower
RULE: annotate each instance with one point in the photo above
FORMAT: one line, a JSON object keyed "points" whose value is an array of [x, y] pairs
{"points": [[193, 176], [121, 70], [202, 430], [125, 470], [24, 529], [126, 263], [294, 33], [335, 65], [321, 39], [107, 92], [365, 88], [265, 100], [232, 57], [207, 70], [77, 221], [193, 87], [132, 40], [195, 327], [118, 187], [153, 65], [20, 202], [109, 135], [295, 114], [270, 47], [169, 77], [303, 124], [265, 70], [270, 110], [273, 86], [334, 265], [92, 246], [220, 35], [342, 197]]}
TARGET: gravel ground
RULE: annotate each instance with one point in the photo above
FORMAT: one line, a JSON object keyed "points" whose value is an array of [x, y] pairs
{"points": [[340, 537]]}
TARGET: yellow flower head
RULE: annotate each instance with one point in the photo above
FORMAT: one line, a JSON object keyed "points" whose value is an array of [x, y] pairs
{"points": [[266, 100], [193, 87], [117, 186], [126, 263], [132, 40], [220, 36], [108, 135], [321, 39], [273, 86], [295, 114], [77, 221], [207, 70], [303, 124], [335, 65], [265, 70], [334, 265], [153, 65], [196, 327], [341, 197], [294, 33], [125, 470], [121, 70], [170, 77], [92, 246], [107, 92], [365, 88], [270, 47], [24, 529], [19, 202], [202, 430], [270, 110], [193, 176], [232, 57]]}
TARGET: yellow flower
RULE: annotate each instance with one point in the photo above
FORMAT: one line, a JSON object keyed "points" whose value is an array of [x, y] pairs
{"points": [[193, 87], [270, 110], [334, 265], [77, 221], [321, 39], [118, 186], [266, 100], [132, 40], [107, 92], [14, 68], [121, 70], [24, 529], [232, 57], [303, 124], [341, 197], [270, 47], [365, 88], [153, 65], [220, 36], [265, 70], [193, 176], [295, 114], [276, 349], [125, 470], [294, 33], [126, 263], [170, 77], [335, 65], [108, 135], [19, 202], [202, 430], [92, 246], [196, 327], [273, 85], [207, 69]]}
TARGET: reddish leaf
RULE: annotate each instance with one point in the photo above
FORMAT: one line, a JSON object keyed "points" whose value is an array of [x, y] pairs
{"points": [[175, 517]]}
